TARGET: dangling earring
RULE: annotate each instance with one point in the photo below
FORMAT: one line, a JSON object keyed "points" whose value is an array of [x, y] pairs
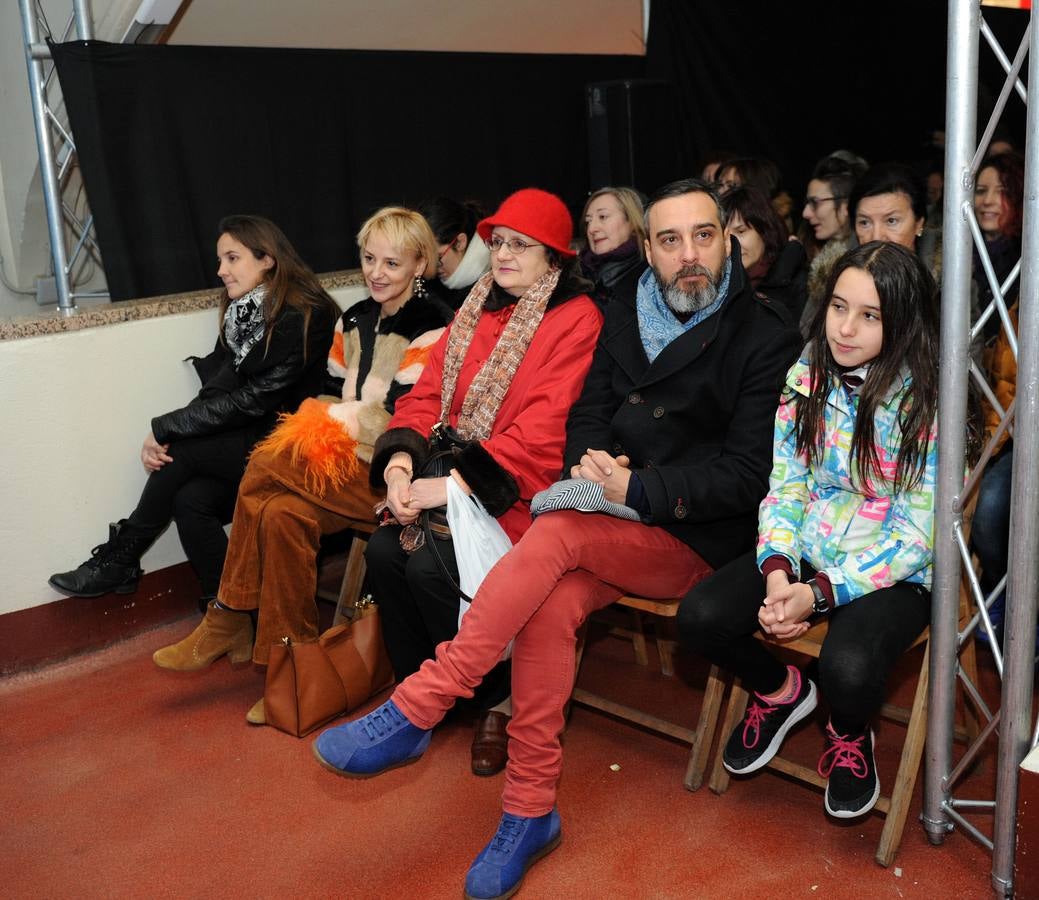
{"points": [[419, 287]]}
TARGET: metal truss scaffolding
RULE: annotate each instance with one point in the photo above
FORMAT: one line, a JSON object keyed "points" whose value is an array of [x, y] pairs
{"points": [[1015, 655], [65, 225]]}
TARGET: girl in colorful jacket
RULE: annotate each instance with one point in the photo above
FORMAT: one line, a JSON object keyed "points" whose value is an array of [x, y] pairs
{"points": [[846, 530]]}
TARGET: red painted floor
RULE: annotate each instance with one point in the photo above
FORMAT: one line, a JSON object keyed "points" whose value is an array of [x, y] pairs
{"points": [[122, 780]]}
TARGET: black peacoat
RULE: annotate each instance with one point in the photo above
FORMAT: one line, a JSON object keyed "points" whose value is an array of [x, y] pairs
{"points": [[697, 424]]}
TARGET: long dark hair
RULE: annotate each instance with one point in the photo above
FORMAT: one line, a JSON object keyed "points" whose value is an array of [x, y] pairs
{"points": [[757, 212], [290, 282], [449, 218], [909, 317], [1011, 170]]}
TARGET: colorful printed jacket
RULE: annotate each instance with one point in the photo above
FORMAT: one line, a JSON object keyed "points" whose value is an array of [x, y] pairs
{"points": [[861, 543]]}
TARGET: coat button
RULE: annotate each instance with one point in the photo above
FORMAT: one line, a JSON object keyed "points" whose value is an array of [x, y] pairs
{"points": [[617, 449], [634, 397], [658, 413], [680, 511]]}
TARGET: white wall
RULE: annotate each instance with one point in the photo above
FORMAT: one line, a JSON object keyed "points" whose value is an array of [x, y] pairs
{"points": [[76, 407]]}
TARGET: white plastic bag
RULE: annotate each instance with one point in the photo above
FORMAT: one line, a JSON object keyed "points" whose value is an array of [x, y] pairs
{"points": [[479, 542]]}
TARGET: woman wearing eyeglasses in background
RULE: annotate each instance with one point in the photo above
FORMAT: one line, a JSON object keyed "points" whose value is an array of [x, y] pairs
{"points": [[461, 256], [504, 378], [828, 222]]}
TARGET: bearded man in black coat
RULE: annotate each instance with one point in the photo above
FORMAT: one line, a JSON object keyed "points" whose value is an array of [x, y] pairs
{"points": [[675, 420], [672, 442]]}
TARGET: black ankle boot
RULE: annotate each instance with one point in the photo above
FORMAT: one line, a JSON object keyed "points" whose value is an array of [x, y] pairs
{"points": [[113, 566]]}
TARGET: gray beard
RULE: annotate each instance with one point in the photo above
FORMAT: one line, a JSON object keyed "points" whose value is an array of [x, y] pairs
{"points": [[685, 303]]}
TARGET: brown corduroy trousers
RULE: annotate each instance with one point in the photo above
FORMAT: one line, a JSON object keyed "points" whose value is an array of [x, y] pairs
{"points": [[271, 563]]}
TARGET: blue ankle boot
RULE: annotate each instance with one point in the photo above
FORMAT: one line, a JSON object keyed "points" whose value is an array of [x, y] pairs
{"points": [[381, 740], [519, 843]]}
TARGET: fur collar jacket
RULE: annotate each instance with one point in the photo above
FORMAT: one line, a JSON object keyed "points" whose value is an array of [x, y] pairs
{"points": [[373, 362]]}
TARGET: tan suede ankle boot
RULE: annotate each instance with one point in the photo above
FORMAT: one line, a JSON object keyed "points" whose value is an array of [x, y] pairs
{"points": [[221, 631], [257, 715]]}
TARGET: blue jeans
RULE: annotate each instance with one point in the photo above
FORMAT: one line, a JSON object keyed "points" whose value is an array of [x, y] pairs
{"points": [[990, 531]]}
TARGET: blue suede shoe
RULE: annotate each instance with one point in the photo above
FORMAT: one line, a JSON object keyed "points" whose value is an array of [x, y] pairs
{"points": [[520, 842], [381, 740]]}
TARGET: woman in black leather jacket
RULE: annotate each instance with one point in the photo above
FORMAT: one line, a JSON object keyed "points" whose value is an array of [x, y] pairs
{"points": [[615, 238], [270, 354]]}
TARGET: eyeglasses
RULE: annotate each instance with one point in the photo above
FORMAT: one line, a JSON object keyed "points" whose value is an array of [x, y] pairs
{"points": [[813, 202], [515, 245], [447, 249]]}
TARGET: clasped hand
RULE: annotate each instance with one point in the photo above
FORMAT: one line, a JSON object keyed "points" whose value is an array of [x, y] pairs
{"points": [[406, 498], [153, 454], [785, 608], [612, 472]]}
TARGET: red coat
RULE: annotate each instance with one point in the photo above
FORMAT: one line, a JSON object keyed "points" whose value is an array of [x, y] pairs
{"points": [[530, 430]]}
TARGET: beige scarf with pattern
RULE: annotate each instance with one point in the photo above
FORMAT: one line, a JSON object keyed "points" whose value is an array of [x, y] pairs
{"points": [[487, 391]]}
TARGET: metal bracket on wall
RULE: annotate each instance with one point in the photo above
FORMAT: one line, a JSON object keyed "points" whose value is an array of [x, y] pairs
{"points": [[70, 224]]}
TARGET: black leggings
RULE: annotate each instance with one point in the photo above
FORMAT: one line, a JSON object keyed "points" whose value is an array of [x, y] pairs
{"points": [[419, 609], [198, 491], [718, 619]]}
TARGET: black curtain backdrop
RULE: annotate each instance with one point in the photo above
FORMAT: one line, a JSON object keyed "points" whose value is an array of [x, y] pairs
{"points": [[170, 139], [794, 81], [173, 138]]}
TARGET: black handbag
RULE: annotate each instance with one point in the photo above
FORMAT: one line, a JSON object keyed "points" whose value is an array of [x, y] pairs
{"points": [[444, 443]]}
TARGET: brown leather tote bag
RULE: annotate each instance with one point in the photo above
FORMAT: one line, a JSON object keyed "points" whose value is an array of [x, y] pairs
{"points": [[309, 684]]}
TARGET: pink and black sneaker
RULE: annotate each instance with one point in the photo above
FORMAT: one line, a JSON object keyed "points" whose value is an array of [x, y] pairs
{"points": [[853, 787], [764, 727]]}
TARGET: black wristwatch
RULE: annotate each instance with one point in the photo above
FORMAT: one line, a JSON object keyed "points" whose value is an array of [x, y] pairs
{"points": [[819, 604]]}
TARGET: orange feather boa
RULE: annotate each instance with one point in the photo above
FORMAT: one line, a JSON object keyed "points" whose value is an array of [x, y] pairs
{"points": [[318, 444]]}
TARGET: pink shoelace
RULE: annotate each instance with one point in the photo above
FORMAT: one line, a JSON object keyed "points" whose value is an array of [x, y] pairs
{"points": [[844, 754], [755, 716]]}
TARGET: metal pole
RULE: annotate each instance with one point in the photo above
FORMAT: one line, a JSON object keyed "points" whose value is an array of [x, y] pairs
{"points": [[84, 22], [48, 171], [960, 119], [1015, 730]]}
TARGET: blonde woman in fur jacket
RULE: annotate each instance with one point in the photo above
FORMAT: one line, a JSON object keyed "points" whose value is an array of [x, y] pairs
{"points": [[310, 476]]}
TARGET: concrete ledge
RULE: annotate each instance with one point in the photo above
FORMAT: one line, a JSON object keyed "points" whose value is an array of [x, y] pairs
{"points": [[92, 314]]}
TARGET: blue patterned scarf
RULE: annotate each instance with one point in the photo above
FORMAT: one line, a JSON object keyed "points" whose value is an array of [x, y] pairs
{"points": [[658, 325]]}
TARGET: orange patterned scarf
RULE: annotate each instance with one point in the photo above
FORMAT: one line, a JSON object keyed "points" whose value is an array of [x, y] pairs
{"points": [[487, 391]]}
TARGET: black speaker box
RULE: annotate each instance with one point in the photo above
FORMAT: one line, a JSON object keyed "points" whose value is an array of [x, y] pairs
{"points": [[632, 141]]}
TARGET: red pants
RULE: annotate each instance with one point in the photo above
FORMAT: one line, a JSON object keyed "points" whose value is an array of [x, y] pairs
{"points": [[567, 565]]}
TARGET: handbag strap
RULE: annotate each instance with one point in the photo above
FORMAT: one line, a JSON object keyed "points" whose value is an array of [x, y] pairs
{"points": [[431, 543]]}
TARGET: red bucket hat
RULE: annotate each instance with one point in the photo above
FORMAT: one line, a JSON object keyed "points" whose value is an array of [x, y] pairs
{"points": [[536, 213]]}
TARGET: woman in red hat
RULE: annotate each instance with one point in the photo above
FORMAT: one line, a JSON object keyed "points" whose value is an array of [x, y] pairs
{"points": [[503, 379]]}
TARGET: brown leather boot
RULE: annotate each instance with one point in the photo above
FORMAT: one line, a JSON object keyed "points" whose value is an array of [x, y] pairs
{"points": [[490, 749], [221, 631]]}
